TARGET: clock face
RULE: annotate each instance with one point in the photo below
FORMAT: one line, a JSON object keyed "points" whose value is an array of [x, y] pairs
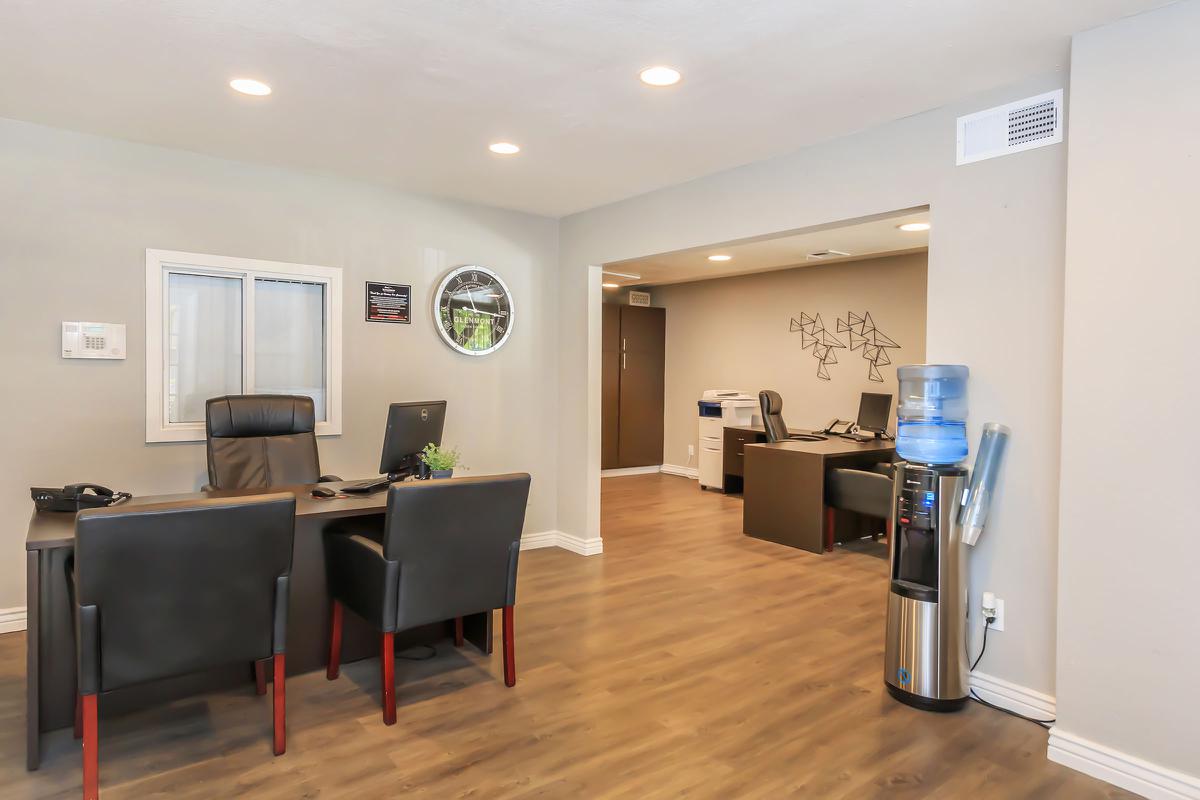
{"points": [[473, 310]]}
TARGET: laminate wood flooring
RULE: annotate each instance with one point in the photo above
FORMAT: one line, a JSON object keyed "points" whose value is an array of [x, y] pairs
{"points": [[686, 661]]}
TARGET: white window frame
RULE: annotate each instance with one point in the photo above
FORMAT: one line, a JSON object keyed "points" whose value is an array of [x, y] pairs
{"points": [[161, 262]]}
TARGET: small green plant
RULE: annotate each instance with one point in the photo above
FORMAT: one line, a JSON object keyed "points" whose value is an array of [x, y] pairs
{"points": [[437, 458]]}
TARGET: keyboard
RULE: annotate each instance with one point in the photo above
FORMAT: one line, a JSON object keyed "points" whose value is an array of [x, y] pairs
{"points": [[366, 487]]}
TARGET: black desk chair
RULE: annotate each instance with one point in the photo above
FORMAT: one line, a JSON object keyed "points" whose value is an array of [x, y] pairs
{"points": [[169, 589], [448, 548], [867, 492], [771, 406], [256, 440]]}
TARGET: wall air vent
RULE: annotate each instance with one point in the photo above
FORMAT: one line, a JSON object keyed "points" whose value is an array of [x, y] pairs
{"points": [[1011, 128]]}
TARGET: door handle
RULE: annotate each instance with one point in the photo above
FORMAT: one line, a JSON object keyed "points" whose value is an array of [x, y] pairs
{"points": [[622, 361], [622, 343]]}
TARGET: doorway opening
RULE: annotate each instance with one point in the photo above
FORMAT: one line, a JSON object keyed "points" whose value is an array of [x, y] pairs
{"points": [[819, 317]]}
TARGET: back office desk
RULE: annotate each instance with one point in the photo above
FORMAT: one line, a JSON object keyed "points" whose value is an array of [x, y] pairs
{"points": [[784, 492], [50, 640]]}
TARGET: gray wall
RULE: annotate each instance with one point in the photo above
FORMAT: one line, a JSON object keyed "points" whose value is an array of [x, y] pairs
{"points": [[733, 333], [1129, 555], [994, 303], [77, 213]]}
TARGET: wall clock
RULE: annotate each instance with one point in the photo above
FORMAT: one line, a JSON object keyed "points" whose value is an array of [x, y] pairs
{"points": [[473, 310]]}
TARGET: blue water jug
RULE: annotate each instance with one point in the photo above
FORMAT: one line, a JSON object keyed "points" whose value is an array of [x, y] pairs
{"points": [[931, 419]]}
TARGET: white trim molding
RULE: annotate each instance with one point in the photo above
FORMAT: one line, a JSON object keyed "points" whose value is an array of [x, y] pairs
{"points": [[576, 544], [12, 619], [621, 471], [1120, 769], [683, 472], [1020, 699]]}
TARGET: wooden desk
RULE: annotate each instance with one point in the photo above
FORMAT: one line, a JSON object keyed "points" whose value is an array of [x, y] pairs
{"points": [[50, 639], [784, 494]]}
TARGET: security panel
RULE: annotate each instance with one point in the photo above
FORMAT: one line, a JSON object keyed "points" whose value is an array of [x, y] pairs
{"points": [[93, 340]]}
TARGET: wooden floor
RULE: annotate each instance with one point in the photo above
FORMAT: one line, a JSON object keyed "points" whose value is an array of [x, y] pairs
{"points": [[686, 661]]}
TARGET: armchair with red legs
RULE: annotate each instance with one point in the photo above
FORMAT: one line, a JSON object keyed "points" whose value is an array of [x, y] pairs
{"points": [[168, 589], [447, 548]]}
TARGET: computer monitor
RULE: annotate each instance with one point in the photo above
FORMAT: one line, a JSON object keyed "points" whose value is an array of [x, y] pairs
{"points": [[410, 426], [873, 412]]}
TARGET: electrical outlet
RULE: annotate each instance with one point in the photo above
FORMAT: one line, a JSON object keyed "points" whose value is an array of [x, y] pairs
{"points": [[993, 606], [691, 450]]}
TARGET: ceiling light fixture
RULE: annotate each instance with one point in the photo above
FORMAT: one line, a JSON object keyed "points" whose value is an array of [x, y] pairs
{"points": [[250, 86], [720, 258], [504, 148], [660, 76], [913, 227], [629, 275], [611, 285]]}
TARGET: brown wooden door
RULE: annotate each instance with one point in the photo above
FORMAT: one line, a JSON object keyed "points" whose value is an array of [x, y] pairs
{"points": [[643, 359], [610, 386]]}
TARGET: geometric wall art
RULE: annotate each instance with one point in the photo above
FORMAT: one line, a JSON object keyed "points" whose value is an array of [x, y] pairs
{"points": [[815, 336], [868, 338]]}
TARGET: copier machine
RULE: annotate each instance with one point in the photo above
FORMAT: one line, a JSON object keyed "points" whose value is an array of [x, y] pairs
{"points": [[720, 408]]}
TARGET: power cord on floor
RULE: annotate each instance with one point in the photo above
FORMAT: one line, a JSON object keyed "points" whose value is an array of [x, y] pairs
{"points": [[1045, 723]]}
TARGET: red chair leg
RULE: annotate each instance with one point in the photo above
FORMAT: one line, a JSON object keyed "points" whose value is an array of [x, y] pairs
{"points": [[279, 696], [91, 755], [510, 661], [260, 677], [830, 516], [388, 662], [335, 641], [458, 632], [78, 716]]}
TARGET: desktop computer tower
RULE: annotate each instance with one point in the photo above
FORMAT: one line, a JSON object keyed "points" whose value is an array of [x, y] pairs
{"points": [[925, 660]]}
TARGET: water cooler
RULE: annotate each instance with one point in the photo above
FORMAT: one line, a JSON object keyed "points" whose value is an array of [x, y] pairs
{"points": [[925, 659]]}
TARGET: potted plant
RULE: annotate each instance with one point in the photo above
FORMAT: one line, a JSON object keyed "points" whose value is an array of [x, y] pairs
{"points": [[440, 462]]}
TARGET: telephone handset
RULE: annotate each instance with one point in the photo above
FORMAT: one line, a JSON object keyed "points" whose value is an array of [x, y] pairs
{"points": [[76, 497], [838, 427]]}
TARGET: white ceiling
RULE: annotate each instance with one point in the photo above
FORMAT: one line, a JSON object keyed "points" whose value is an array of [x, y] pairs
{"points": [[410, 92], [859, 239]]}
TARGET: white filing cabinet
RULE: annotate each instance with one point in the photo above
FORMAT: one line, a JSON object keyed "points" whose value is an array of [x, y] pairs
{"points": [[717, 409]]}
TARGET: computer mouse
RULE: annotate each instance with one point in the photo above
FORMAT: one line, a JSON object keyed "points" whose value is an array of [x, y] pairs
{"points": [[321, 491]]}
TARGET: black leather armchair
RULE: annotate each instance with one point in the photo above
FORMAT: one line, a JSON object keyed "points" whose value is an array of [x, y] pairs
{"points": [[771, 406], [448, 548], [256, 440], [867, 492], [173, 588]]}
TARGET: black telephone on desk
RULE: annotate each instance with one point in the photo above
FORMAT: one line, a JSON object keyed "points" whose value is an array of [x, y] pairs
{"points": [[838, 427], [75, 497]]}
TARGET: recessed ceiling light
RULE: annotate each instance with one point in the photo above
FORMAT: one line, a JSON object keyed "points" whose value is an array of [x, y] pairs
{"points": [[660, 76], [504, 148], [611, 285], [250, 86], [719, 258], [913, 227]]}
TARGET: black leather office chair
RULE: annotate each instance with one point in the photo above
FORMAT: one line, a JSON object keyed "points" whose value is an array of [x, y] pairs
{"points": [[867, 492], [448, 548], [771, 406], [256, 440], [168, 589]]}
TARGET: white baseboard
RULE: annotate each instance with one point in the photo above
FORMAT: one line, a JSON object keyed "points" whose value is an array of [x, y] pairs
{"points": [[12, 619], [1020, 699], [576, 544], [1120, 769], [683, 472], [617, 473]]}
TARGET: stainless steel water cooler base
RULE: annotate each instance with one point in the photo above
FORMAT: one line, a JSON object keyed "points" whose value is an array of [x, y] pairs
{"points": [[925, 663]]}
